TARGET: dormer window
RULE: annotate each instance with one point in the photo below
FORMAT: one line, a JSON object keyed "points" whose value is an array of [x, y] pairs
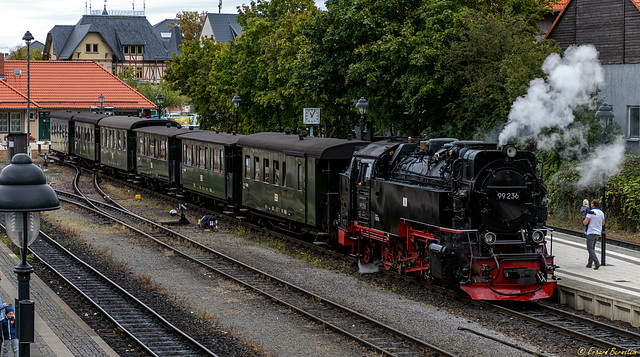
{"points": [[132, 50]]}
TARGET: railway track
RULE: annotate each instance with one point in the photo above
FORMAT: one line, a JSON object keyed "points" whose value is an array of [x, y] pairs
{"points": [[148, 328], [591, 332], [367, 331]]}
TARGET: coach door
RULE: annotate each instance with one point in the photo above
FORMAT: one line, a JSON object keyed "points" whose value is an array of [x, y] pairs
{"points": [[363, 190]]}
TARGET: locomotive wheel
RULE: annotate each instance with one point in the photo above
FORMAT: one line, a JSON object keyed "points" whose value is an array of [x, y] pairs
{"points": [[387, 256], [401, 254], [367, 254]]}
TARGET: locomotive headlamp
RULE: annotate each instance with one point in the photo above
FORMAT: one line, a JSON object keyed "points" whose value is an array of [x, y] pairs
{"points": [[510, 151], [490, 238], [537, 236]]}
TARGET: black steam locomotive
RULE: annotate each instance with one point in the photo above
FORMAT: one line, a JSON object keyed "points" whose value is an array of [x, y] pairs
{"points": [[460, 213]]}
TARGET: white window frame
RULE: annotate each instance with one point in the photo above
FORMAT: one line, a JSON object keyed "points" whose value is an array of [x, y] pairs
{"points": [[631, 120], [15, 118]]}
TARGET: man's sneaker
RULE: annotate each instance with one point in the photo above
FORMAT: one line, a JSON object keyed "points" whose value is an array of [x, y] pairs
{"points": [[596, 267]]}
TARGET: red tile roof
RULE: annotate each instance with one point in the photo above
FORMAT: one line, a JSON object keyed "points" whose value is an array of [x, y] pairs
{"points": [[12, 99], [560, 5], [72, 85]]}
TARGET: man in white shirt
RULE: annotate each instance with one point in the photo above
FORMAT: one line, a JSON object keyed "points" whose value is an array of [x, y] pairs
{"points": [[594, 222]]}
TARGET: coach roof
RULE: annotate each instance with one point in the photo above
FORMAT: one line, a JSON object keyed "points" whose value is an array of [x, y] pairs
{"points": [[130, 123], [63, 114], [320, 148], [210, 137], [91, 118]]}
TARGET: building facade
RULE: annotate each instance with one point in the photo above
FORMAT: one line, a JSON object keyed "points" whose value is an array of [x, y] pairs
{"points": [[118, 42]]}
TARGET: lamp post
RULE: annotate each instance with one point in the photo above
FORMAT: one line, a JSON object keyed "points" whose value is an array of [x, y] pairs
{"points": [[362, 106], [101, 100], [28, 37], [604, 114], [23, 194], [159, 99], [236, 103]]}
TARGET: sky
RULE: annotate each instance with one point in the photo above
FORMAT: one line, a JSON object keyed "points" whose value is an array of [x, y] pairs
{"points": [[40, 16]]}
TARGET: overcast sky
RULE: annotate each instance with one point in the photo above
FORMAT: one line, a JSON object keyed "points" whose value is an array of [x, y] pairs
{"points": [[39, 16]]}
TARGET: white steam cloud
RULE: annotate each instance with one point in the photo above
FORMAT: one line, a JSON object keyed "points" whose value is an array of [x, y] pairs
{"points": [[550, 103], [571, 82], [603, 162]]}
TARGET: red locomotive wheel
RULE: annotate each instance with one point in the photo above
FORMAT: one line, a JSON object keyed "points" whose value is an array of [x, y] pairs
{"points": [[387, 256], [401, 255], [367, 254]]}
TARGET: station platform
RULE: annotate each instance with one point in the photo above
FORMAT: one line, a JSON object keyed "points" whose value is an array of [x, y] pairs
{"points": [[59, 332], [612, 291]]}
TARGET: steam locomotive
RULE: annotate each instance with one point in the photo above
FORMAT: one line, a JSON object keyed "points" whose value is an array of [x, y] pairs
{"points": [[458, 213], [461, 213]]}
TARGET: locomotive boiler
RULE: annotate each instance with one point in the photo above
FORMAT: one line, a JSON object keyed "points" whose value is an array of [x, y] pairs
{"points": [[460, 213]]}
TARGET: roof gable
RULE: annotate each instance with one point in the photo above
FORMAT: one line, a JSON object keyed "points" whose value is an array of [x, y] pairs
{"points": [[117, 31], [73, 85], [12, 99], [223, 27], [609, 25]]}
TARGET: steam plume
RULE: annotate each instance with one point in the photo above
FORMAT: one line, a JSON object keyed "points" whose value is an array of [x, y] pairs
{"points": [[570, 81]]}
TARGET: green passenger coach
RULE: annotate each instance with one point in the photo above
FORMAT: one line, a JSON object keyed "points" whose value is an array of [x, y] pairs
{"points": [[61, 131], [118, 140], [211, 163], [86, 134], [294, 178], [158, 154]]}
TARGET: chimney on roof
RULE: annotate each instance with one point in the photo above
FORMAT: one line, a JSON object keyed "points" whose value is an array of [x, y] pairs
{"points": [[2, 66]]}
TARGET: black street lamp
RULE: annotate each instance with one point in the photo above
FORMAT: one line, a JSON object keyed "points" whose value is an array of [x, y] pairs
{"points": [[28, 37], [23, 194], [236, 103], [362, 106], [159, 99], [604, 114], [101, 100]]}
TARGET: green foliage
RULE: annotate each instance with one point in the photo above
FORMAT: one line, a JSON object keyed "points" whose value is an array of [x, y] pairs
{"points": [[623, 193], [420, 64], [20, 53], [190, 23], [171, 98]]}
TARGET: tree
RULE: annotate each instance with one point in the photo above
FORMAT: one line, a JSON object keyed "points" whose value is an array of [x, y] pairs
{"points": [[20, 53], [170, 97], [259, 68], [190, 23], [487, 68], [189, 74]]}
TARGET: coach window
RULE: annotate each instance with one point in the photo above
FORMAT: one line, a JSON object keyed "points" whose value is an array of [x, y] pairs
{"points": [[284, 174], [634, 122], [163, 149], [203, 158], [276, 172], [247, 167], [266, 170], [300, 177], [217, 167], [256, 168]]}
